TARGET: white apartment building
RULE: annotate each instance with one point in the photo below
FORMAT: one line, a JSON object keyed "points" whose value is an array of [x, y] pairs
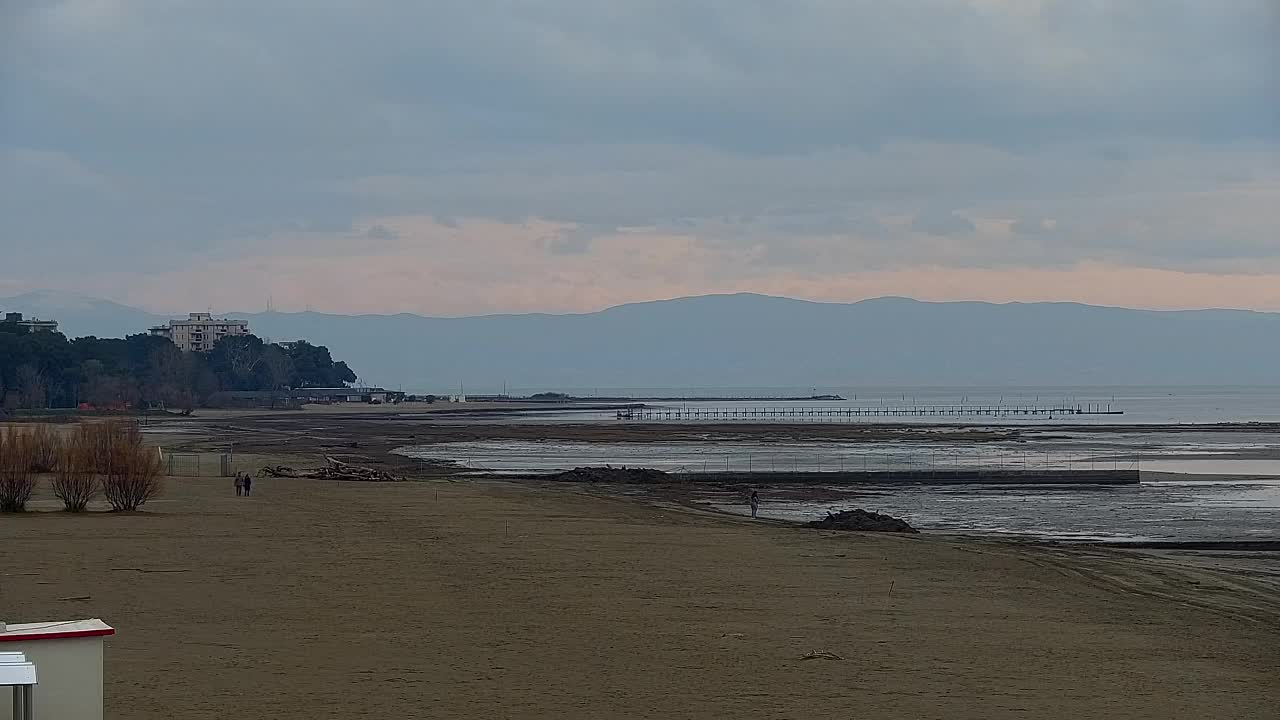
{"points": [[200, 331]]}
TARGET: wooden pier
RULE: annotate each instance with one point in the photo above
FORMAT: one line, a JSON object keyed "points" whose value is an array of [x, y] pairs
{"points": [[832, 414]]}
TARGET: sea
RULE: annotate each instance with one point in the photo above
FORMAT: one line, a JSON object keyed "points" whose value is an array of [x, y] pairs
{"points": [[1210, 471]]}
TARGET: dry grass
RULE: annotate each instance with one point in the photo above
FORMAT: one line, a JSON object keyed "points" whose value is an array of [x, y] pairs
{"points": [[17, 481]]}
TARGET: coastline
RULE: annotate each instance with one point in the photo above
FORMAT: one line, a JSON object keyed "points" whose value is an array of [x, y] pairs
{"points": [[486, 597]]}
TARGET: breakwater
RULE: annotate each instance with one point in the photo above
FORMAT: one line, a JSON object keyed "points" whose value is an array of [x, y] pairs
{"points": [[966, 476]]}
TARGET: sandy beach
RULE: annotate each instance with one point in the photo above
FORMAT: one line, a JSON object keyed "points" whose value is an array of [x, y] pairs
{"points": [[491, 599]]}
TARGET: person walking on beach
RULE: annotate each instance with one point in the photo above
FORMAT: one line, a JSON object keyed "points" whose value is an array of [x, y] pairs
{"points": [[755, 503], [239, 483], [248, 484]]}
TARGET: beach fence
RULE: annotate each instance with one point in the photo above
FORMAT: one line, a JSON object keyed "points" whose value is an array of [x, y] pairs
{"points": [[845, 413]]}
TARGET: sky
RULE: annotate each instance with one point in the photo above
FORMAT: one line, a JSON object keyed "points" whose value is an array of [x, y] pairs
{"points": [[458, 157]]}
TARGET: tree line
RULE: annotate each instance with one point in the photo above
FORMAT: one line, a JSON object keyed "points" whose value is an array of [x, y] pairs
{"points": [[46, 370]]}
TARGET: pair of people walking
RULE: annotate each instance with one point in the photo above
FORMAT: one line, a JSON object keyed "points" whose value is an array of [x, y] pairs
{"points": [[244, 484]]}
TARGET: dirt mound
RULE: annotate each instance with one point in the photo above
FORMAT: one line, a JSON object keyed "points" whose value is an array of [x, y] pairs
{"points": [[862, 521], [613, 475]]}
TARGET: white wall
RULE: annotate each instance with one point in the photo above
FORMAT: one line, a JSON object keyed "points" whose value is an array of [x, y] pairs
{"points": [[70, 675]]}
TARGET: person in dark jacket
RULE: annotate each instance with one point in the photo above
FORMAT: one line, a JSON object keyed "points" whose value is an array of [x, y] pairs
{"points": [[248, 484]]}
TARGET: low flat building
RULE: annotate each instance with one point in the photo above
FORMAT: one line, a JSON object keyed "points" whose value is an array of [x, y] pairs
{"points": [[297, 397], [246, 399], [200, 331], [29, 324], [373, 395]]}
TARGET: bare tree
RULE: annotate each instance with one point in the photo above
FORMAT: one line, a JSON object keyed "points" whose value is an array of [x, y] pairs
{"points": [[166, 375], [31, 386], [278, 366], [242, 358], [16, 479], [130, 471], [98, 389], [46, 448], [75, 481]]}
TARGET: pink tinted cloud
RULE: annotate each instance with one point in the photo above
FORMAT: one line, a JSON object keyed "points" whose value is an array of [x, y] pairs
{"points": [[481, 266], [432, 268], [1093, 283]]}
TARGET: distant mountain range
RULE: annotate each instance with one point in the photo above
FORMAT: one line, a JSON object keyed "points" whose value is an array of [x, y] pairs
{"points": [[750, 340]]}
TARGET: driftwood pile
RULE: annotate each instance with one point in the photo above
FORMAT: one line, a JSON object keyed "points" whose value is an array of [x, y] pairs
{"points": [[860, 520], [612, 475], [337, 470]]}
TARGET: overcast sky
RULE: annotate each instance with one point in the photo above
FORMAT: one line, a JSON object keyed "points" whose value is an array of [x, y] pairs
{"points": [[466, 156]]}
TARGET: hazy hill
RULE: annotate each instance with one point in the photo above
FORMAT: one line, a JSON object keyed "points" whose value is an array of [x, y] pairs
{"points": [[80, 315], [752, 340]]}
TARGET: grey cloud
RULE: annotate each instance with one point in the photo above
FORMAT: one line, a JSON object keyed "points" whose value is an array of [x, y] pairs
{"points": [[166, 130], [379, 232], [826, 224], [1031, 226], [576, 240], [749, 74], [937, 222]]}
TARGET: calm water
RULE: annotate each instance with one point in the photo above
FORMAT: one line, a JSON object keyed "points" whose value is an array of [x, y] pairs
{"points": [[1194, 507], [1201, 506], [1191, 507], [1246, 453]]}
